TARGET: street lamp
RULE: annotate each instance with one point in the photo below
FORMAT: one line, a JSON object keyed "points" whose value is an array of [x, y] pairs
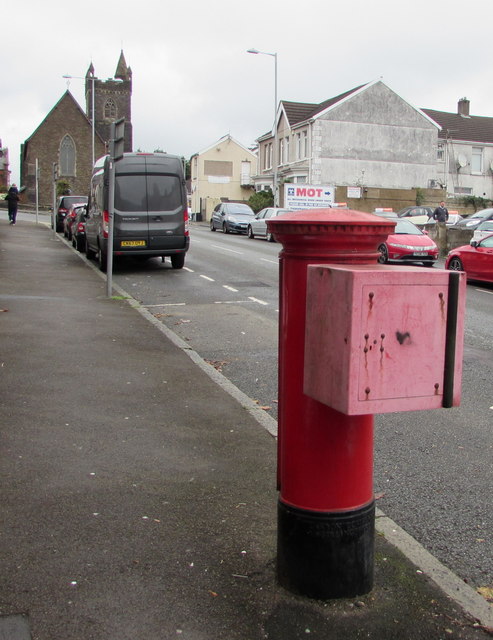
{"points": [[67, 77], [274, 158]]}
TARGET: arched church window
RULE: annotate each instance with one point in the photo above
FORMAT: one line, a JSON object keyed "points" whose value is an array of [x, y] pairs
{"points": [[67, 157], [110, 110]]}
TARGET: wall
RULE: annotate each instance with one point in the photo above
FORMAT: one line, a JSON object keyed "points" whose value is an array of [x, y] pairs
{"points": [[374, 139], [216, 176], [65, 117]]}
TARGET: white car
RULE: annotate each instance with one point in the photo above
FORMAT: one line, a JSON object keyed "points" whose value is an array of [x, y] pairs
{"points": [[258, 226], [483, 230], [453, 219]]}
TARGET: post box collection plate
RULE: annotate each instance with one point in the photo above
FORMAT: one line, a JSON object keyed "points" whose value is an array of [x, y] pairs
{"points": [[381, 338]]}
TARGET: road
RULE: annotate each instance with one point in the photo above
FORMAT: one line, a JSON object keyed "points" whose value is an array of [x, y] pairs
{"points": [[433, 470]]}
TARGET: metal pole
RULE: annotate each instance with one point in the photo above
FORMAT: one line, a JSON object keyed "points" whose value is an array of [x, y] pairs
{"points": [[275, 153], [276, 195], [111, 215], [92, 118], [37, 191], [53, 213]]}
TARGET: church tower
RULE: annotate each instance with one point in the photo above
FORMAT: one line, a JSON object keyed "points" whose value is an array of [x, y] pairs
{"points": [[112, 100]]}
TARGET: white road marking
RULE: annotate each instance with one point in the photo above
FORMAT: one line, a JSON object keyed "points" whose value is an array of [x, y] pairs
{"points": [[270, 261], [485, 291], [257, 300], [230, 302], [240, 253], [188, 269], [207, 278], [230, 288]]}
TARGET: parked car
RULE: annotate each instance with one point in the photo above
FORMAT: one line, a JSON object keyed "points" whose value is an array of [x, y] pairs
{"points": [[417, 210], [476, 259], [69, 219], [408, 244], [231, 216], [258, 226], [453, 219], [384, 212], [79, 229], [474, 220], [62, 208], [150, 209], [482, 230]]}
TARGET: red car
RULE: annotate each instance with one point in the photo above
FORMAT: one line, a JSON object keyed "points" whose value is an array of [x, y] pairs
{"points": [[476, 259], [408, 245]]}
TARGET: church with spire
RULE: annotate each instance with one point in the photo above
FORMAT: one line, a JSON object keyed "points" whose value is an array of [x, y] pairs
{"points": [[66, 140]]}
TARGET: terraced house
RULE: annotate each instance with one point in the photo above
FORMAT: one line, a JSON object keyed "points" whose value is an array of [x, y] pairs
{"points": [[370, 143]]}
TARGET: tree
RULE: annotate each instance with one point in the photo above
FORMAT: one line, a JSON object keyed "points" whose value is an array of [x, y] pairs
{"points": [[261, 199], [63, 187]]}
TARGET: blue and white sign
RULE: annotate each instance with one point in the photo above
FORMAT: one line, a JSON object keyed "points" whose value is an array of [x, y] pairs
{"points": [[307, 196]]}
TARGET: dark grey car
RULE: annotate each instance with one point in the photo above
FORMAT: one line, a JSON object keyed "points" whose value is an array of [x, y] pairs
{"points": [[231, 216]]}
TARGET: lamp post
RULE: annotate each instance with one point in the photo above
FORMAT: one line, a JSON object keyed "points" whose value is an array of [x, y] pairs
{"points": [[68, 77], [274, 155]]}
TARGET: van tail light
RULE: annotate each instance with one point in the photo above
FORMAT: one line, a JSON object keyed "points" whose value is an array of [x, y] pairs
{"points": [[106, 223], [185, 219], [81, 227]]}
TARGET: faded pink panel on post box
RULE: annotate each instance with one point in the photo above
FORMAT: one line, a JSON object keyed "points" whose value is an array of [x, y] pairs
{"points": [[376, 338]]}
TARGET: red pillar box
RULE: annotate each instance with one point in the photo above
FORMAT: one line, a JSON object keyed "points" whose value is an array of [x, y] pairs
{"points": [[326, 507]]}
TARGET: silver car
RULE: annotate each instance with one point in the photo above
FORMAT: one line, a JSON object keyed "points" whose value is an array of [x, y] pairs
{"points": [[258, 226]]}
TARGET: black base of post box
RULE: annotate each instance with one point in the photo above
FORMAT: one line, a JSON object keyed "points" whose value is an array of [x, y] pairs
{"points": [[326, 555]]}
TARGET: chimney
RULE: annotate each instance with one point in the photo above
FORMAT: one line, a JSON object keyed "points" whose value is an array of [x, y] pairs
{"points": [[463, 107]]}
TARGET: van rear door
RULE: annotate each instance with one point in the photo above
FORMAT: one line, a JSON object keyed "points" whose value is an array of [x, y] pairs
{"points": [[149, 206]]}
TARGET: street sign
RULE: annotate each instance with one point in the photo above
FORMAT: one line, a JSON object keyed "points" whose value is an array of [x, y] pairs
{"points": [[117, 138]]}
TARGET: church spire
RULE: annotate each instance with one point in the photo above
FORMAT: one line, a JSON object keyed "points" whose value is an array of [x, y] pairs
{"points": [[122, 71]]}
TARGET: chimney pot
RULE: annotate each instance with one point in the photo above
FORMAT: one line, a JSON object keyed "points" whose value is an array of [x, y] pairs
{"points": [[463, 107]]}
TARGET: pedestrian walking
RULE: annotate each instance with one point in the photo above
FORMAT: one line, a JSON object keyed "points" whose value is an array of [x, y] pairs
{"points": [[13, 198], [441, 216]]}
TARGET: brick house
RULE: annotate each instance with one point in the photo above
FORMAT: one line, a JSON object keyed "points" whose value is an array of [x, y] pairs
{"points": [[65, 135]]}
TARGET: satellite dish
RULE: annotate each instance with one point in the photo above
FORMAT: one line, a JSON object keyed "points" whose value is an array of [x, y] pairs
{"points": [[461, 160]]}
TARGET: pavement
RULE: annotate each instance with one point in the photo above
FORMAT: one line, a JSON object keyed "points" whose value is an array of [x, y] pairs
{"points": [[138, 496]]}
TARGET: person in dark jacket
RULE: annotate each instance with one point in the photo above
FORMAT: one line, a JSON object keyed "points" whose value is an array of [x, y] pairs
{"points": [[441, 216], [13, 198], [441, 213]]}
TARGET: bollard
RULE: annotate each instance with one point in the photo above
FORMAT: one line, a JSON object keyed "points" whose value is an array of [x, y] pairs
{"points": [[326, 508]]}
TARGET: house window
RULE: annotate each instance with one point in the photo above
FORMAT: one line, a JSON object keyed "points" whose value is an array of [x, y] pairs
{"points": [[463, 191], [67, 157], [441, 152], [286, 150], [477, 160], [301, 139], [268, 156], [299, 179], [281, 151], [110, 110], [245, 172]]}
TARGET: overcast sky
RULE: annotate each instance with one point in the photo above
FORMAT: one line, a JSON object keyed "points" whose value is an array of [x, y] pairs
{"points": [[193, 81]]}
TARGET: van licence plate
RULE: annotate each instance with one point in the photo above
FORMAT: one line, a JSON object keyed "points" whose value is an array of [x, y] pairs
{"points": [[133, 243]]}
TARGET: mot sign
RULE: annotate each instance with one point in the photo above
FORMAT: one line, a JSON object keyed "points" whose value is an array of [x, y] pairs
{"points": [[306, 196]]}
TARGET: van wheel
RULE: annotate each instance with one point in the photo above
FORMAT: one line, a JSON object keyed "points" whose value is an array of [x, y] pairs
{"points": [[178, 260], [89, 252], [102, 260]]}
